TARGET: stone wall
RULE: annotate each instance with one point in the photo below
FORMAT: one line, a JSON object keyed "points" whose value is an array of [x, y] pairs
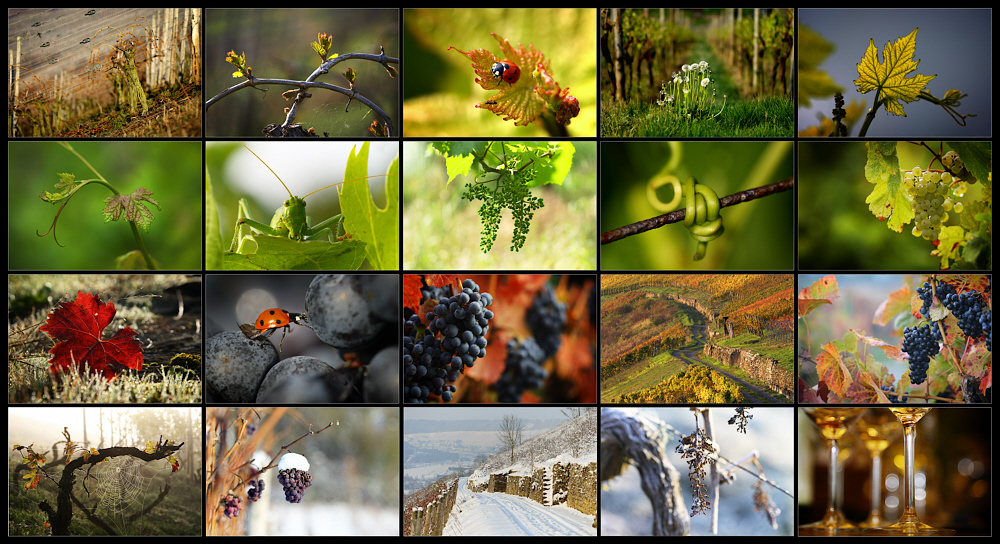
{"points": [[767, 370], [573, 484]]}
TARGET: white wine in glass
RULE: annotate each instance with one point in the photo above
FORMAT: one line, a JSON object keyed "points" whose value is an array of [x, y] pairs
{"points": [[832, 424], [909, 524], [877, 428]]}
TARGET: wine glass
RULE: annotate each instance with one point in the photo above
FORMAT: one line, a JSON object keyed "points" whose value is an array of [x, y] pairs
{"points": [[877, 428], [909, 524], [832, 423]]}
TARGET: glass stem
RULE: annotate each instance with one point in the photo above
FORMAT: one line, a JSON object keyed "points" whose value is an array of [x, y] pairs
{"points": [[834, 452], [876, 484], [909, 442]]}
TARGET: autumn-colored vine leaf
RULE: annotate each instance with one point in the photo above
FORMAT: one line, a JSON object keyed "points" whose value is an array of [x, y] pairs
{"points": [[822, 291], [77, 326], [174, 463], [889, 77], [888, 199], [132, 206], [898, 301], [534, 92]]}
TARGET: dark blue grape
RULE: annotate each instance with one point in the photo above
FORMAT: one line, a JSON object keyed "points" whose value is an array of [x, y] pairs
{"points": [[523, 370], [546, 318], [920, 344]]}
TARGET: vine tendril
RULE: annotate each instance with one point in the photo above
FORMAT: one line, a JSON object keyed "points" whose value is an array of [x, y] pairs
{"points": [[701, 213]]}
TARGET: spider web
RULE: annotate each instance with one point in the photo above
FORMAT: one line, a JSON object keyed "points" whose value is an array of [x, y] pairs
{"points": [[122, 486]]}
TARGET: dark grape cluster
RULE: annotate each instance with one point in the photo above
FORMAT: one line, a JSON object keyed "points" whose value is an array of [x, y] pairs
{"points": [[232, 506], [892, 398], [920, 344], [546, 318], [926, 294], [523, 370], [967, 308], [454, 338], [986, 322], [255, 488], [294, 482]]}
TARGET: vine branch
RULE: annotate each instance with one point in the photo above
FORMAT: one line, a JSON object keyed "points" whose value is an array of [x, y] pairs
{"points": [[677, 216]]}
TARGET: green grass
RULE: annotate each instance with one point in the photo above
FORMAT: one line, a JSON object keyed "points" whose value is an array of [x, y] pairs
{"points": [[783, 353], [178, 514], [769, 116]]}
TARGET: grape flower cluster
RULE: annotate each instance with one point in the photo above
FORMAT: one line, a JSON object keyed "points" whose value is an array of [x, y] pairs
{"points": [[454, 338]]}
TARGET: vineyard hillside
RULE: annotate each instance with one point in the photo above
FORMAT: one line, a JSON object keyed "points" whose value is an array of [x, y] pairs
{"points": [[654, 326]]}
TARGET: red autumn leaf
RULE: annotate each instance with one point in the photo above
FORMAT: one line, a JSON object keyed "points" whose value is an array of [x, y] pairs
{"points": [[77, 326]]}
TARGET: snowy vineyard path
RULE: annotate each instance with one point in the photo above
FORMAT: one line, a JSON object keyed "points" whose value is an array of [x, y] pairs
{"points": [[500, 514]]}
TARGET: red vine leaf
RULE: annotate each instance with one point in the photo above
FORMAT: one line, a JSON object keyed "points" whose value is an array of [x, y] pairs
{"points": [[77, 326]]}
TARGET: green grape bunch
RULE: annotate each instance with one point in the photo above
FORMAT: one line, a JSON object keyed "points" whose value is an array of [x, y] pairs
{"points": [[930, 199]]}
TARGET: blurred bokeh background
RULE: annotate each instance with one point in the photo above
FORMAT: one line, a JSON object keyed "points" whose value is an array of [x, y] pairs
{"points": [[171, 170], [439, 88], [276, 43], [441, 230], [836, 229], [758, 234]]}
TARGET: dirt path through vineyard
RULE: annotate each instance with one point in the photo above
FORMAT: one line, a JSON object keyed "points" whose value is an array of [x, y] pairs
{"points": [[692, 354]]}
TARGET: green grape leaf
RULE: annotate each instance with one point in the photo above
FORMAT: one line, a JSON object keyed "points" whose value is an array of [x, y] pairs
{"points": [[280, 253], [132, 206], [555, 168], [213, 236], [377, 227], [888, 199], [949, 245], [889, 77], [64, 188]]}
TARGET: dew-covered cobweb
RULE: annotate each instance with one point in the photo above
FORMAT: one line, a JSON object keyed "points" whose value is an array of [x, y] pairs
{"points": [[122, 483]]}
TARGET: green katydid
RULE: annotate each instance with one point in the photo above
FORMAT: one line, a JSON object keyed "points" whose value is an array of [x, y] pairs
{"points": [[290, 220]]}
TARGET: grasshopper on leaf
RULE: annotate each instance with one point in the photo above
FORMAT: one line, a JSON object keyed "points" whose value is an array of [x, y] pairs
{"points": [[289, 221]]}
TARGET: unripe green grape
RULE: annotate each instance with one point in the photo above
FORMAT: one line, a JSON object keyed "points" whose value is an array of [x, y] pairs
{"points": [[959, 207], [917, 172], [946, 178], [934, 177], [916, 231]]}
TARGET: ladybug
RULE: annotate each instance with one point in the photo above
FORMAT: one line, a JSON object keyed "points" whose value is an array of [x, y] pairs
{"points": [[506, 71], [275, 318]]}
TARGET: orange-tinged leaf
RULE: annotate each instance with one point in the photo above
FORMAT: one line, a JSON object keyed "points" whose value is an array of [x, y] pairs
{"points": [[898, 301], [833, 370], [889, 76], [823, 291], [891, 351]]}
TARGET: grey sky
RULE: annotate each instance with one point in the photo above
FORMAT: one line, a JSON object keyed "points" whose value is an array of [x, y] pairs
{"points": [[955, 44]]}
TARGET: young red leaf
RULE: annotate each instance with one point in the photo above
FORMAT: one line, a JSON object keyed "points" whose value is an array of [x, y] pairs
{"points": [[77, 326]]}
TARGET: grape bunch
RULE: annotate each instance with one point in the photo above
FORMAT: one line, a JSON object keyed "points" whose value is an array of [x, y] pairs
{"points": [[986, 322], [546, 318], [255, 488], [926, 294], [232, 506], [967, 308], [920, 344], [454, 338], [930, 201], [294, 482], [523, 370]]}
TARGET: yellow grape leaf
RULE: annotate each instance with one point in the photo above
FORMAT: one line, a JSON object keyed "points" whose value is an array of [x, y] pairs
{"points": [[889, 77], [888, 199]]}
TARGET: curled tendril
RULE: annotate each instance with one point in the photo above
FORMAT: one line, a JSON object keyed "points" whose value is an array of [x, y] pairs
{"points": [[701, 214]]}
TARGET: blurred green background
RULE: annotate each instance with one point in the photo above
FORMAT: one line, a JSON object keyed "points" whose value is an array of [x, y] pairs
{"points": [[171, 170], [439, 88], [758, 234], [836, 229], [276, 43], [441, 230]]}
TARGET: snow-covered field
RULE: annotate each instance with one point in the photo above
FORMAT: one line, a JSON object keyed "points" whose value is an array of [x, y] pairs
{"points": [[499, 514]]}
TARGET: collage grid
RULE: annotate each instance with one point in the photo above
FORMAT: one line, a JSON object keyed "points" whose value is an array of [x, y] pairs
{"points": [[506, 203]]}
